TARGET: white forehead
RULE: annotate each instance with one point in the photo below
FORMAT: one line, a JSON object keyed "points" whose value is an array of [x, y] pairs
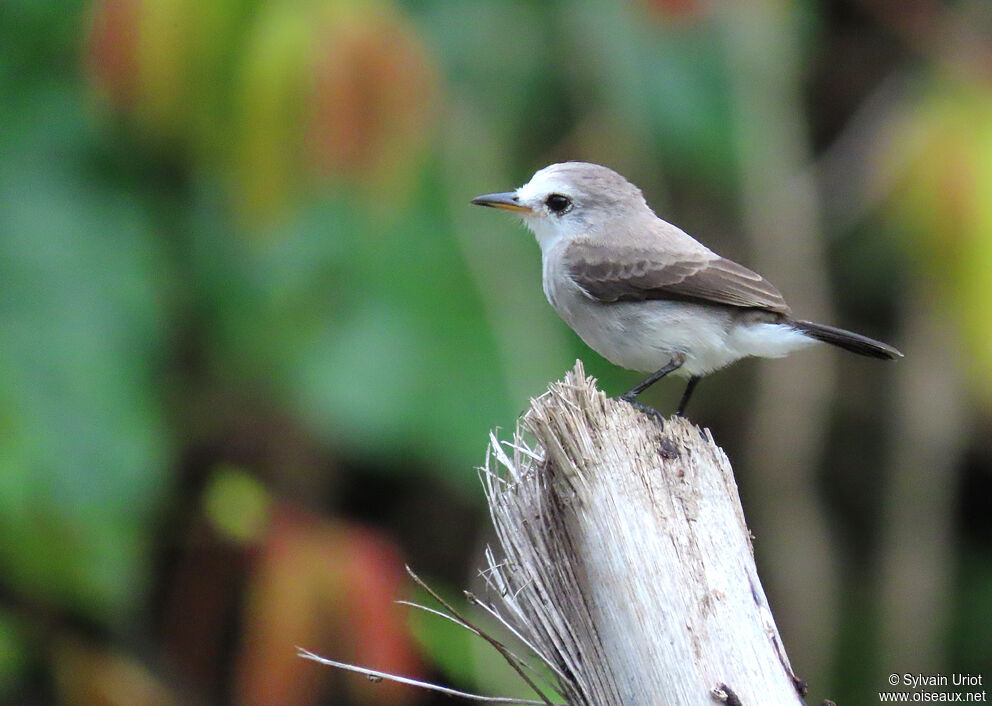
{"points": [[550, 180]]}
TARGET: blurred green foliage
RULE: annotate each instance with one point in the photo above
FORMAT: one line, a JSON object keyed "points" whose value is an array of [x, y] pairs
{"points": [[84, 442], [237, 266], [942, 154]]}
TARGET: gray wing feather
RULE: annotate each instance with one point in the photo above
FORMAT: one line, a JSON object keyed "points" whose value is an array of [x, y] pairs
{"points": [[636, 274]]}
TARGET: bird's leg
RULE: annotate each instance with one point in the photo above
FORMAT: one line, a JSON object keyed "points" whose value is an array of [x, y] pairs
{"points": [[629, 397], [693, 381], [674, 364]]}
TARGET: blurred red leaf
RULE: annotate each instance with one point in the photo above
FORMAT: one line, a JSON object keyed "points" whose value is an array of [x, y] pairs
{"points": [[328, 587], [677, 9], [111, 49]]}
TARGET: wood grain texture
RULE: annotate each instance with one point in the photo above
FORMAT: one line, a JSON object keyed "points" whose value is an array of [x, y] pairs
{"points": [[626, 560]]}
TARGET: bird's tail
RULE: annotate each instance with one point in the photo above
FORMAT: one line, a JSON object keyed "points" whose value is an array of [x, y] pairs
{"points": [[854, 342]]}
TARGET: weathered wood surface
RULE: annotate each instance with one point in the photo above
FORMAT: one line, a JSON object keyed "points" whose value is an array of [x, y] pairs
{"points": [[627, 562]]}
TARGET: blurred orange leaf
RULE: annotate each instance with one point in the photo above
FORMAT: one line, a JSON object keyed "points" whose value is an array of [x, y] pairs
{"points": [[372, 97], [277, 96]]}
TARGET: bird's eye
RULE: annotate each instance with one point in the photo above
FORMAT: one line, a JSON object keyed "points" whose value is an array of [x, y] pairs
{"points": [[557, 203]]}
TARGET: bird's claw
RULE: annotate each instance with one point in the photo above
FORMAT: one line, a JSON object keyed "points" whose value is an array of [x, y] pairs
{"points": [[641, 407]]}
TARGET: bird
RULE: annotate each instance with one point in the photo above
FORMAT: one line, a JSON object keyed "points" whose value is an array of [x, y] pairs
{"points": [[646, 295]]}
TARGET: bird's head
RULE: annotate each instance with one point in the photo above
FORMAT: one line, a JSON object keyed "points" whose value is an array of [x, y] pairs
{"points": [[570, 200]]}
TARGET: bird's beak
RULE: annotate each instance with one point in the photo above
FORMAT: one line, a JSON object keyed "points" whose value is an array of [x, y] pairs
{"points": [[506, 200]]}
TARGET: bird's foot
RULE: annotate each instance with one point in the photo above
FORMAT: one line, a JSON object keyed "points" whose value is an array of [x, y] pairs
{"points": [[641, 407]]}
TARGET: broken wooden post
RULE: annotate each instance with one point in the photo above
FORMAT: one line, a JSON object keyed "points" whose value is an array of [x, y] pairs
{"points": [[626, 560]]}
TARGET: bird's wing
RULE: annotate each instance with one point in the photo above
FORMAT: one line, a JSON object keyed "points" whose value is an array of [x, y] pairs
{"points": [[627, 273]]}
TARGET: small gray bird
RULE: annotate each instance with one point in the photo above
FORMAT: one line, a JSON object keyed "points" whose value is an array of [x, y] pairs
{"points": [[646, 295]]}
